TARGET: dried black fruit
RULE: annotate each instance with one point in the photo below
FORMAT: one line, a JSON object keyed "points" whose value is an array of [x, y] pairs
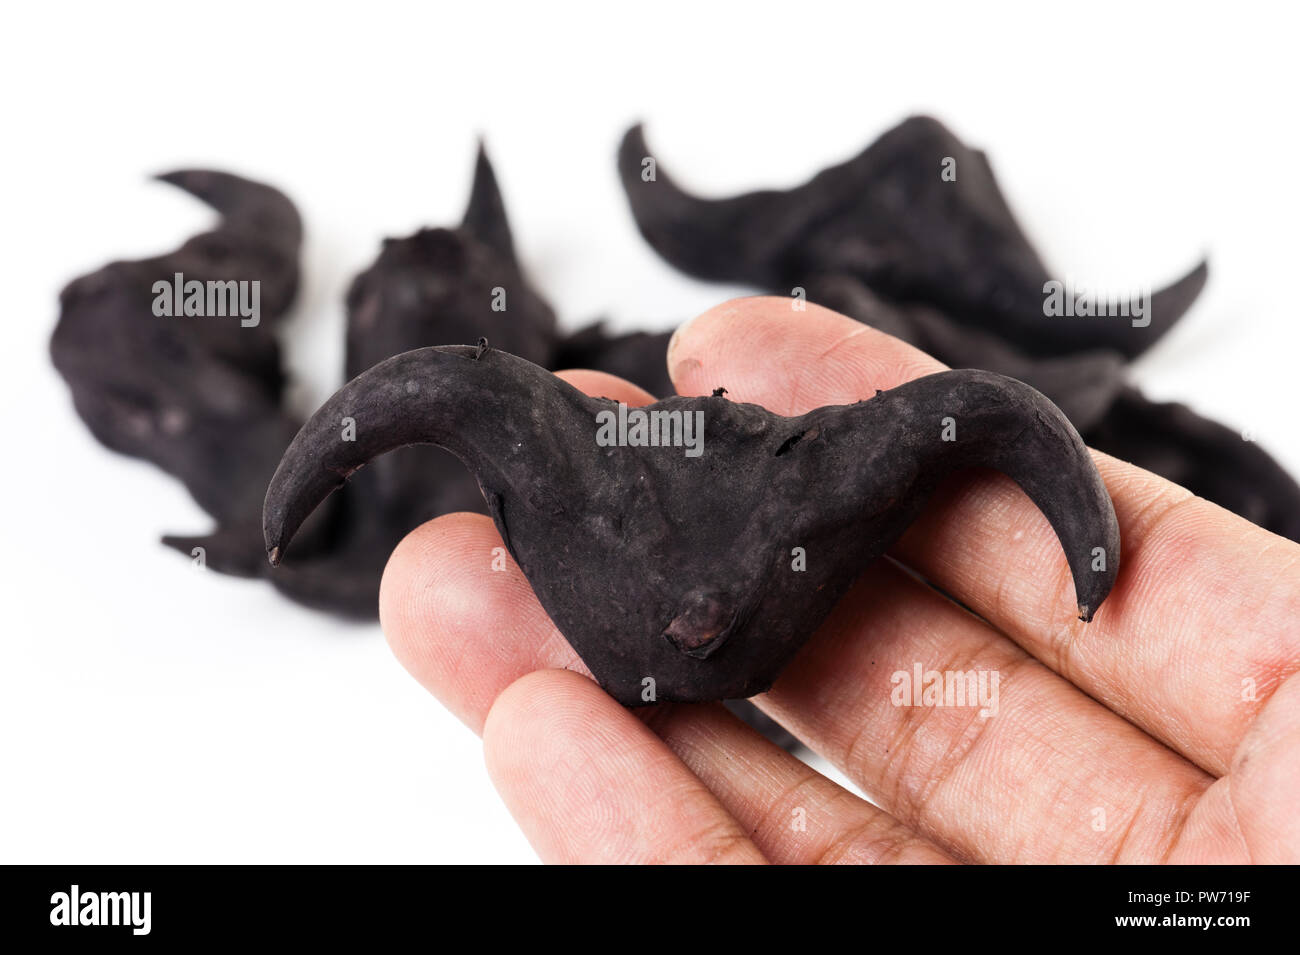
{"points": [[1167, 439], [887, 218], [433, 286], [197, 395], [1083, 385], [661, 565], [638, 357], [641, 358], [1212, 461]]}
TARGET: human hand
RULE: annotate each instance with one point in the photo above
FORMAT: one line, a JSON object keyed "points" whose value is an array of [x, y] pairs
{"points": [[1166, 730]]}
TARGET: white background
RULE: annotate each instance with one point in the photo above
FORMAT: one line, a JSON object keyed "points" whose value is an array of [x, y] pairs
{"points": [[152, 713]]}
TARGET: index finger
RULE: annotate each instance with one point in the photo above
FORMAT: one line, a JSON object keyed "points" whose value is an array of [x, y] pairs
{"points": [[1193, 639]]}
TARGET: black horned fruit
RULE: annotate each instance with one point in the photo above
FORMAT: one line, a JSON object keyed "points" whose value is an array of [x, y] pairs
{"points": [[665, 557], [173, 359], [891, 219]]}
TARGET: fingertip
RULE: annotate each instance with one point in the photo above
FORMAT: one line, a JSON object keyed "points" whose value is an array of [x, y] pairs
{"points": [[540, 739], [788, 355], [429, 556], [423, 563], [460, 616], [539, 706], [696, 335], [572, 766]]}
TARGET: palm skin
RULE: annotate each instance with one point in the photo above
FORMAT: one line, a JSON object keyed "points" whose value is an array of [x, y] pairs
{"points": [[1167, 730]]}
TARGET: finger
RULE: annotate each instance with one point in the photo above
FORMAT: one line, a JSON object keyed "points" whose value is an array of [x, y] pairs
{"points": [[589, 783], [463, 620], [1193, 639], [1196, 637], [1019, 766], [459, 615], [789, 362], [467, 632], [793, 814], [1253, 810]]}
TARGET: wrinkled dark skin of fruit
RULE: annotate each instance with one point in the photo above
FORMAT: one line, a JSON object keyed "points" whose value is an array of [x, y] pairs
{"points": [[639, 357], [677, 569], [887, 218], [200, 397]]}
